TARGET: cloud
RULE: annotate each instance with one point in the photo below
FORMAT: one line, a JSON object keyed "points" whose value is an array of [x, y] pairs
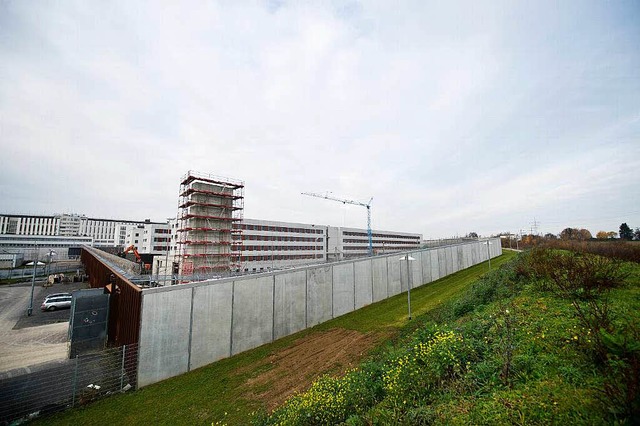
{"points": [[452, 116]]}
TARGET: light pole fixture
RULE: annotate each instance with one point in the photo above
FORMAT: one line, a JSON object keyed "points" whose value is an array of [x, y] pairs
{"points": [[51, 254], [408, 258], [489, 243], [35, 263]]}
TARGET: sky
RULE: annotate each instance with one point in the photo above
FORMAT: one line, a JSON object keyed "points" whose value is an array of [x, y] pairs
{"points": [[455, 117]]}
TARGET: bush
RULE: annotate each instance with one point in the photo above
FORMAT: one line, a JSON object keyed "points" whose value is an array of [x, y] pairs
{"points": [[332, 400], [621, 250], [425, 368]]}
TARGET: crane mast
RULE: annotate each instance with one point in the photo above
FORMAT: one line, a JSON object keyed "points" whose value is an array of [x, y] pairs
{"points": [[355, 203]]}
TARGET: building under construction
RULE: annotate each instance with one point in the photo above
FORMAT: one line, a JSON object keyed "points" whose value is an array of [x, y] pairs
{"points": [[207, 210]]}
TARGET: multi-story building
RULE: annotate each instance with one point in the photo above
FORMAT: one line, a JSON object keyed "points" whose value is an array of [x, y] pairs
{"points": [[150, 238], [104, 232], [344, 243], [264, 245], [267, 244], [252, 245], [29, 225], [43, 247]]}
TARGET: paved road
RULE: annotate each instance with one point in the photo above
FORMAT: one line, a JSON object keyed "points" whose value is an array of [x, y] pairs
{"points": [[25, 341], [35, 373]]}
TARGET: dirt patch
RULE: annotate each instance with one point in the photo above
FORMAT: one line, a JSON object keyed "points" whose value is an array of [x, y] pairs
{"points": [[293, 369]]}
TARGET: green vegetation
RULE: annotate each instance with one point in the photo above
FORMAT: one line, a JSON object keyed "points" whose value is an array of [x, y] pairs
{"points": [[550, 338], [216, 392]]}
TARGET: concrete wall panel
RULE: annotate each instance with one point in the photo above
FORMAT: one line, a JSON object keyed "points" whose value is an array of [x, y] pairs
{"points": [[252, 313], [449, 251], [363, 282], [290, 313], [435, 267], [343, 289], [211, 329], [416, 270], [164, 336], [454, 259], [393, 275], [319, 295], [442, 262], [426, 266], [380, 278], [466, 249]]}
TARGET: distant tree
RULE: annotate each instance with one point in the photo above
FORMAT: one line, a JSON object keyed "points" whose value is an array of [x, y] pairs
{"points": [[575, 234], [472, 235], [625, 232], [637, 234], [569, 234], [584, 234], [606, 235], [550, 236]]}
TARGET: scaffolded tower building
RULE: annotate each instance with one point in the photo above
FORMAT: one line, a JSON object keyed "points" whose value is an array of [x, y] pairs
{"points": [[208, 208]]}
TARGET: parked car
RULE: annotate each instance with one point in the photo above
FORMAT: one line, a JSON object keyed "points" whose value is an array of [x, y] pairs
{"points": [[49, 296], [57, 302]]}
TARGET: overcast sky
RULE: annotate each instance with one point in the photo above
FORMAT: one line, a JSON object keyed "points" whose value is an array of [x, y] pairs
{"points": [[454, 116]]}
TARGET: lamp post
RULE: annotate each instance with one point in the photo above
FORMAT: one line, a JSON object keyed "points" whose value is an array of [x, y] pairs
{"points": [[33, 284], [408, 258], [51, 254], [489, 253]]}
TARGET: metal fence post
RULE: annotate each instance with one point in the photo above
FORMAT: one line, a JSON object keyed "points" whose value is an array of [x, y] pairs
{"points": [[124, 349], [75, 383]]}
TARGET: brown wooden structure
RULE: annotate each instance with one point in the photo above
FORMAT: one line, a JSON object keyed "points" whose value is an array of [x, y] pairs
{"points": [[125, 301]]}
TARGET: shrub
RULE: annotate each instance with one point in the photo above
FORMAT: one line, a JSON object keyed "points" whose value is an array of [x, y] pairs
{"points": [[332, 400], [622, 384], [425, 368], [621, 250]]}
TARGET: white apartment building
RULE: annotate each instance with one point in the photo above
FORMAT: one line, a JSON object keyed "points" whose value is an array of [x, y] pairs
{"points": [[29, 225], [149, 238], [104, 232]]}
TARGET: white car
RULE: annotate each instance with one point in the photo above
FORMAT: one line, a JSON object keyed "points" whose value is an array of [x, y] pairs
{"points": [[53, 302], [49, 296]]}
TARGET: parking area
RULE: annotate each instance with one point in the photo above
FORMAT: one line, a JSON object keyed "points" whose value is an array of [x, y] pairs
{"points": [[39, 317], [42, 337]]}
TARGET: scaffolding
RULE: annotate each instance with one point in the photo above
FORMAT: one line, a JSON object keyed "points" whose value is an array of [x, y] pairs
{"points": [[210, 209]]}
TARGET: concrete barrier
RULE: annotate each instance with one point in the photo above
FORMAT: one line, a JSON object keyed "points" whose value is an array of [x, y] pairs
{"points": [[363, 275], [184, 327], [252, 319], [290, 308], [211, 305]]}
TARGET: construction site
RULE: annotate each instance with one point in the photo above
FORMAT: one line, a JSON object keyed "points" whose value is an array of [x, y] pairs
{"points": [[209, 210]]}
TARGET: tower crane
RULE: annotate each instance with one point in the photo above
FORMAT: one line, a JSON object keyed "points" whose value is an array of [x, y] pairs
{"points": [[355, 203]]}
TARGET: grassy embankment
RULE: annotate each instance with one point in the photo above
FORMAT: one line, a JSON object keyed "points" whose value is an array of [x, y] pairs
{"points": [[218, 391], [551, 338]]}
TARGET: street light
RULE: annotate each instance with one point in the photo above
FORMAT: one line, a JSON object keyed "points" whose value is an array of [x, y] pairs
{"points": [[408, 258], [51, 254], [489, 253], [35, 263]]}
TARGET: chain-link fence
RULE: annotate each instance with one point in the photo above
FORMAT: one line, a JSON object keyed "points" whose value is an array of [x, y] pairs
{"points": [[26, 273], [48, 388]]}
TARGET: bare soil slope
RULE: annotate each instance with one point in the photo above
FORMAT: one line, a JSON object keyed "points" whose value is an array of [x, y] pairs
{"points": [[294, 368]]}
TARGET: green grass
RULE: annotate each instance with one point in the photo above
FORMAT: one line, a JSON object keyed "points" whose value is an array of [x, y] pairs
{"points": [[510, 349], [215, 392]]}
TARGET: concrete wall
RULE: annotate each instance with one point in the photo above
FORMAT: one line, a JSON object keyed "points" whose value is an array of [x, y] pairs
{"points": [[185, 327]]}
